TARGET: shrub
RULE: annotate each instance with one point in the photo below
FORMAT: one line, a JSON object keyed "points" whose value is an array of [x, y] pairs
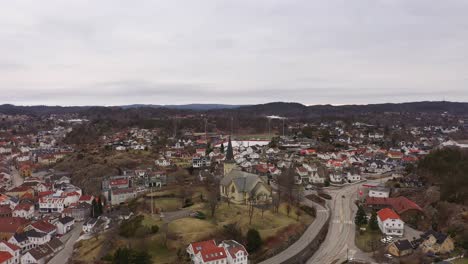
{"points": [[254, 241], [154, 229], [200, 215], [129, 227]]}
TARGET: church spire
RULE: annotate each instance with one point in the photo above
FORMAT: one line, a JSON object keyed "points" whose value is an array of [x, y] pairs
{"points": [[229, 152]]}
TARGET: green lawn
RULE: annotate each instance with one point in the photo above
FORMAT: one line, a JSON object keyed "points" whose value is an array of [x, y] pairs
{"points": [[461, 261], [166, 204], [368, 240]]}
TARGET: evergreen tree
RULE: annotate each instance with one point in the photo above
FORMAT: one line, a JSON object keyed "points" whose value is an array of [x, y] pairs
{"points": [[254, 241], [222, 148], [94, 212], [229, 152], [360, 218], [373, 224], [99, 206], [208, 149]]}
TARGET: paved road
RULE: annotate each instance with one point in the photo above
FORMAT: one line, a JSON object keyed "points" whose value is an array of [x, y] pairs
{"points": [[310, 233], [69, 240], [339, 243]]}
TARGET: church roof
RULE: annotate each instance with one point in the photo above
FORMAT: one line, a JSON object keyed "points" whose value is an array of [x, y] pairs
{"points": [[244, 181]]}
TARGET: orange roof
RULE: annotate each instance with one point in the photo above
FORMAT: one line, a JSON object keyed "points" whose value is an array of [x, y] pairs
{"points": [[44, 226], [5, 256], [387, 213], [11, 246], [209, 251]]}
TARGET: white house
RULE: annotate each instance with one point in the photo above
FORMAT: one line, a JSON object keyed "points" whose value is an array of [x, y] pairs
{"points": [[336, 177], [13, 250], [227, 252], [353, 177], [162, 162], [51, 204], [235, 251], [24, 210], [64, 225], [390, 223], [89, 225], [207, 252], [379, 192]]}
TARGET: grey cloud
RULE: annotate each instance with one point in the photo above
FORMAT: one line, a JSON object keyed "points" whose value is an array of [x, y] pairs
{"points": [[218, 51]]}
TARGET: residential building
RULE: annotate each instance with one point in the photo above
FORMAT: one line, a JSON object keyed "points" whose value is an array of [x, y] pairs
{"points": [[51, 204], [390, 223], [64, 225], [119, 196], [14, 251], [437, 243], [24, 210], [236, 252], [379, 192], [89, 225], [400, 248], [207, 252]]}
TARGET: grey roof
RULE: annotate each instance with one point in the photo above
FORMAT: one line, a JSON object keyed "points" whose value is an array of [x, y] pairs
{"points": [[90, 221], [55, 244], [244, 181], [34, 233], [20, 237], [66, 219], [440, 237], [40, 252], [403, 244]]}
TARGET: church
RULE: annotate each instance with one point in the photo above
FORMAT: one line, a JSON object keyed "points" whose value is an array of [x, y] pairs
{"points": [[240, 186]]}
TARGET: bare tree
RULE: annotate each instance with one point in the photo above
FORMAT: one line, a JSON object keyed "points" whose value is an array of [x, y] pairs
{"points": [[298, 214], [276, 200], [212, 186], [251, 203], [286, 183], [265, 205]]}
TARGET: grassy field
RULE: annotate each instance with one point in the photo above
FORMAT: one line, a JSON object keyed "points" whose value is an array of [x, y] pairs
{"points": [[166, 204], [460, 261], [163, 246], [191, 230], [270, 225], [263, 136], [88, 250], [368, 240]]}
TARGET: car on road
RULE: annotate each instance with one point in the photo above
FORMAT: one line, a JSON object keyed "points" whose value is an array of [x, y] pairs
{"points": [[387, 240], [388, 256], [309, 187]]}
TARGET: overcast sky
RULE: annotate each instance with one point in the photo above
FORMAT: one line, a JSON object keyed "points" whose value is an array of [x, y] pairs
{"points": [[111, 52]]}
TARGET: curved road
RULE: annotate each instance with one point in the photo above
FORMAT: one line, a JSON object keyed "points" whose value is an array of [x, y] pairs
{"points": [[340, 238], [339, 244], [309, 234]]}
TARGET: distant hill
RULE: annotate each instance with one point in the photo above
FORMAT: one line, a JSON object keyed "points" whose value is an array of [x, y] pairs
{"points": [[196, 107], [299, 110], [275, 108]]}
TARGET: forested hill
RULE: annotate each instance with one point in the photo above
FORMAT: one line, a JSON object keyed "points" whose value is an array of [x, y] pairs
{"points": [[447, 168], [299, 110], [275, 108]]}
